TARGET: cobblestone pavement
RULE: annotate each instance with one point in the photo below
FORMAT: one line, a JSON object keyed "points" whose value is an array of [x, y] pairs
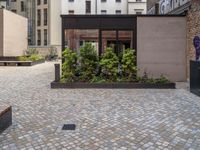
{"points": [[106, 119]]}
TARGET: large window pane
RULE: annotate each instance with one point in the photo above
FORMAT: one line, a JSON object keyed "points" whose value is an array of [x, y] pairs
{"points": [[74, 38]]}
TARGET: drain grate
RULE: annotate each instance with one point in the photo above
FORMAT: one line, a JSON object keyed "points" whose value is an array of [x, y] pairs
{"points": [[69, 127]]}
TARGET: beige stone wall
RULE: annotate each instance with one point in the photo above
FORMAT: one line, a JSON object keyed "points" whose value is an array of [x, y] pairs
{"points": [[161, 47], [44, 50], [193, 29], [15, 34], [1, 32]]}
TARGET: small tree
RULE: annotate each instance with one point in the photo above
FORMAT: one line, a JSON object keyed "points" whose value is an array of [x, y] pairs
{"points": [[69, 65], [109, 65], [88, 62], [129, 68]]}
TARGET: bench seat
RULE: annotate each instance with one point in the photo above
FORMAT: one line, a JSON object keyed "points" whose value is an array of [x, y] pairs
{"points": [[5, 116]]}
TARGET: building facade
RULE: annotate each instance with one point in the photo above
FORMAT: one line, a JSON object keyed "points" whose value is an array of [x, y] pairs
{"points": [[48, 24], [3, 3], [13, 34], [171, 6], [25, 8], [104, 6], [45, 21]]}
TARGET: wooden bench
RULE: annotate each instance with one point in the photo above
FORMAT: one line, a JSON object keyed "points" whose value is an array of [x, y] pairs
{"points": [[5, 116], [15, 63]]}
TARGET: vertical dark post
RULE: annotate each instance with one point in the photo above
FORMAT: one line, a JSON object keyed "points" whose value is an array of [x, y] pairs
{"points": [[117, 42], [157, 9], [57, 72], [63, 39], [100, 42], [135, 37]]}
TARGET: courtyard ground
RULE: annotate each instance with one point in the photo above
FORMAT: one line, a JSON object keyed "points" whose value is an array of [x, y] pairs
{"points": [[106, 119]]}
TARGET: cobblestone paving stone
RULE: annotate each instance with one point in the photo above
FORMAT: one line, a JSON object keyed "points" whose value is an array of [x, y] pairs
{"points": [[106, 119]]}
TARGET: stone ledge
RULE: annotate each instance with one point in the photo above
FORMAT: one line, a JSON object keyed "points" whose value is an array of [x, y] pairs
{"points": [[59, 85], [5, 116]]}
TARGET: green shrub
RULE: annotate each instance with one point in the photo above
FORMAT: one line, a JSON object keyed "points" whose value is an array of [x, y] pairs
{"points": [[88, 62], [109, 65], [98, 79], [128, 65], [146, 79], [30, 58], [22, 58], [69, 66], [34, 57], [162, 80], [53, 54], [31, 51]]}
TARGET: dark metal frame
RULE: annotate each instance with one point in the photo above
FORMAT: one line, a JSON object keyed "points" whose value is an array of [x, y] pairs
{"points": [[195, 77], [101, 22]]}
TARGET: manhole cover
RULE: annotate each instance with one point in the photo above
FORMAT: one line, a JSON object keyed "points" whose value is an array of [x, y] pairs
{"points": [[69, 127]]}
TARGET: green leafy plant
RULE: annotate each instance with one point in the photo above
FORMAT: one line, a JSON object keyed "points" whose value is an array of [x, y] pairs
{"points": [[146, 79], [162, 79], [69, 66], [53, 54], [128, 65], [98, 79], [109, 65], [33, 57], [31, 51], [88, 62]]}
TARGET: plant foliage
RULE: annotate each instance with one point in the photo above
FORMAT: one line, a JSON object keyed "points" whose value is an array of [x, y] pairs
{"points": [[109, 65], [69, 65], [88, 62], [128, 65]]}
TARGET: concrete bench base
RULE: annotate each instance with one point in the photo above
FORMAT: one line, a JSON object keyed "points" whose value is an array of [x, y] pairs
{"points": [[21, 63], [5, 116]]}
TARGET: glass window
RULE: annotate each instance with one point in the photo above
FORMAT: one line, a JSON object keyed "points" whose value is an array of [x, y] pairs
{"points": [[38, 2], [38, 37], [75, 38], [45, 17], [38, 17], [45, 36], [103, 11], [45, 1], [88, 7], [22, 6]]}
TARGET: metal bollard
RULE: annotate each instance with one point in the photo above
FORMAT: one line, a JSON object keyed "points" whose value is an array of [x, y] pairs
{"points": [[57, 72]]}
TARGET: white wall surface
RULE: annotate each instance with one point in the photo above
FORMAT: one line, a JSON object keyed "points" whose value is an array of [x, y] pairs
{"points": [[55, 23], [15, 34], [110, 6], [161, 47]]}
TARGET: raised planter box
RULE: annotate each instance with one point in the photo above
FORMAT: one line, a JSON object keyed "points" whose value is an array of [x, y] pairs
{"points": [[118, 85], [195, 77], [58, 85], [5, 116], [20, 63]]}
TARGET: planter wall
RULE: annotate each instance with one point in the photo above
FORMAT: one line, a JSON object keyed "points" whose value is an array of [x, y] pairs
{"points": [[11, 62], [195, 77], [57, 85], [127, 85], [5, 117]]}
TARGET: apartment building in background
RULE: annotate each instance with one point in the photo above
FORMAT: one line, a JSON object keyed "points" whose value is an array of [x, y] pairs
{"points": [[170, 6], [3, 3], [104, 6], [48, 20], [45, 21], [48, 25], [25, 8]]}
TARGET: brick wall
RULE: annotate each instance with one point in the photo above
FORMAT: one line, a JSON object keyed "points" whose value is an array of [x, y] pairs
{"points": [[193, 27]]}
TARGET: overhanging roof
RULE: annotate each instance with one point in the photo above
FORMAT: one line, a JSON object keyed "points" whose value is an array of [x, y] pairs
{"points": [[106, 22]]}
